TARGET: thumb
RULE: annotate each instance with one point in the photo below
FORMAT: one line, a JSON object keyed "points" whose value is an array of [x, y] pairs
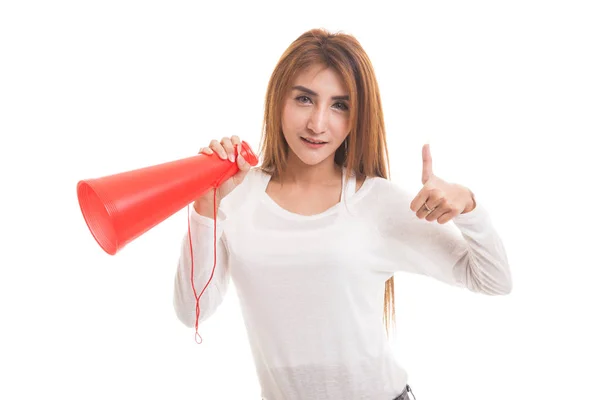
{"points": [[427, 173]]}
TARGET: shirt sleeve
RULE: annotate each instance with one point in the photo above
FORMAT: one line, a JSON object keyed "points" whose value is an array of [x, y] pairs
{"points": [[214, 274], [466, 252], [202, 253]]}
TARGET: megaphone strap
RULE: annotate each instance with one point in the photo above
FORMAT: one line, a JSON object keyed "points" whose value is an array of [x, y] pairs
{"points": [[197, 297]]}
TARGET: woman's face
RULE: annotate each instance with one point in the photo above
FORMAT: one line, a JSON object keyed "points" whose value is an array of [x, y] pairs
{"points": [[316, 114]]}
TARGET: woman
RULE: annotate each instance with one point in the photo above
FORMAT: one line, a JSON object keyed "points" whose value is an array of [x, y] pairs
{"points": [[313, 236]]}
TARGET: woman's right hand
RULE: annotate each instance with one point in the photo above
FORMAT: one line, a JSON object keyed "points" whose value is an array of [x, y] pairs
{"points": [[226, 150]]}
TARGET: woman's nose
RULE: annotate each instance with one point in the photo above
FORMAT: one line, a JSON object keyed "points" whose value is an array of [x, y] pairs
{"points": [[318, 120]]}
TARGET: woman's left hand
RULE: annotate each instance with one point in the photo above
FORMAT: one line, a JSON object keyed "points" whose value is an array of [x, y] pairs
{"points": [[445, 200]]}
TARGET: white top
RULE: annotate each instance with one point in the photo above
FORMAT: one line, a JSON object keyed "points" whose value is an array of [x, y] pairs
{"points": [[311, 288]]}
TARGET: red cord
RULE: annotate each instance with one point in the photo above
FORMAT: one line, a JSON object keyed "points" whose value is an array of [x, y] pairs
{"points": [[197, 297]]}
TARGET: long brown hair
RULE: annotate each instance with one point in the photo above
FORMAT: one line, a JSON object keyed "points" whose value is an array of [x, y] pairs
{"points": [[367, 153]]}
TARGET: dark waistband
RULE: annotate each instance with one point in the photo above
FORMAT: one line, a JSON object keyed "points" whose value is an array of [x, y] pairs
{"points": [[404, 394]]}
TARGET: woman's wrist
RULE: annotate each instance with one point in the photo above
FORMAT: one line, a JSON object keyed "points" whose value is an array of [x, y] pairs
{"points": [[206, 207]]}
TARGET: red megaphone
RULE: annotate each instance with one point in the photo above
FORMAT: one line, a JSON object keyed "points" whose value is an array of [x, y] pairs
{"points": [[119, 208]]}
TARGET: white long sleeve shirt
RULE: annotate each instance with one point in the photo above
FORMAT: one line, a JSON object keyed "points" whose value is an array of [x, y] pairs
{"points": [[311, 288]]}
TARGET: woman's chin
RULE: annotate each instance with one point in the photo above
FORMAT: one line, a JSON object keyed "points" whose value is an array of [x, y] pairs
{"points": [[313, 159]]}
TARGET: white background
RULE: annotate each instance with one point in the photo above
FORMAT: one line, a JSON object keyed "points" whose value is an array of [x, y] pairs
{"points": [[507, 93]]}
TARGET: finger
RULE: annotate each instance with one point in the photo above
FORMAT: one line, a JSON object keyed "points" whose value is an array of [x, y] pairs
{"points": [[419, 199], [226, 143], [438, 210], [427, 164], [243, 166], [235, 140], [447, 217], [424, 212], [205, 150], [237, 144], [436, 203], [241, 161], [218, 148]]}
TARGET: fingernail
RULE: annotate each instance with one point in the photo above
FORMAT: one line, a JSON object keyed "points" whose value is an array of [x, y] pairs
{"points": [[231, 158]]}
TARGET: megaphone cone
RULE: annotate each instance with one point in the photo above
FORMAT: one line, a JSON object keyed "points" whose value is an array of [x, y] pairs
{"points": [[119, 208]]}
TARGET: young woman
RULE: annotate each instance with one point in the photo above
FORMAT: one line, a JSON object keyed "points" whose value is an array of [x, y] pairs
{"points": [[313, 236]]}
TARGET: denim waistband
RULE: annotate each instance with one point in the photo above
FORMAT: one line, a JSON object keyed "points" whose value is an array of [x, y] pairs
{"points": [[404, 394]]}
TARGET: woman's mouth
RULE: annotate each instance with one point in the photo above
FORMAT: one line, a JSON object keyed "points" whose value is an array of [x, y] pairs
{"points": [[315, 144]]}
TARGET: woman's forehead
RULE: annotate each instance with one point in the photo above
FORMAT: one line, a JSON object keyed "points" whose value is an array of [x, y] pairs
{"points": [[320, 76]]}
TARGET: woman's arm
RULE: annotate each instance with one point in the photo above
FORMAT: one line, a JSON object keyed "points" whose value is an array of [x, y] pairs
{"points": [[466, 252], [202, 244]]}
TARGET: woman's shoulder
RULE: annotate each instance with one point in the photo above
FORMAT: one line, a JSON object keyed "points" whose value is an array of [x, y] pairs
{"points": [[380, 196], [379, 187]]}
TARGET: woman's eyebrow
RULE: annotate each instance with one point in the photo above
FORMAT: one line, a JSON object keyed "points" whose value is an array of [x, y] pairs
{"points": [[313, 93]]}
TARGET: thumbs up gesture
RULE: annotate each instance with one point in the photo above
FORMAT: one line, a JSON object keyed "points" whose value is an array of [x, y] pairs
{"points": [[438, 199]]}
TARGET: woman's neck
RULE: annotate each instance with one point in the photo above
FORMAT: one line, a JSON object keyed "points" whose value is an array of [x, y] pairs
{"points": [[297, 173]]}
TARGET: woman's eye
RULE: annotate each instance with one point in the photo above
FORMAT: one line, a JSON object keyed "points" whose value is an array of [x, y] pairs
{"points": [[341, 106], [303, 99]]}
